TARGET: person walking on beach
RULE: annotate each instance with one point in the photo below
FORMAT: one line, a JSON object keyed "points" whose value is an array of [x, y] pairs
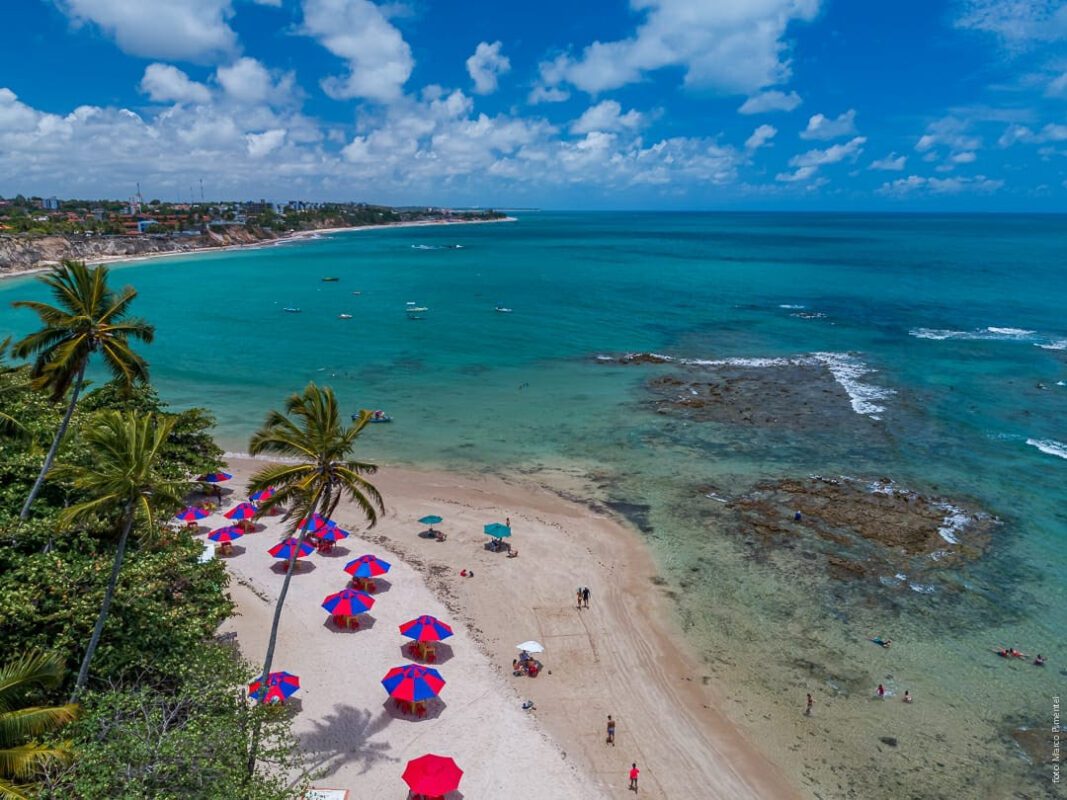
{"points": [[579, 598], [811, 704], [611, 731], [585, 597], [634, 772]]}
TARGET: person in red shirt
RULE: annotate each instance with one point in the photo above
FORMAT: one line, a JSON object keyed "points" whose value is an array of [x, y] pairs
{"points": [[634, 772]]}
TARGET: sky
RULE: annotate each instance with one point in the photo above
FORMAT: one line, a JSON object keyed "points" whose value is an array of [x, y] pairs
{"points": [[910, 105]]}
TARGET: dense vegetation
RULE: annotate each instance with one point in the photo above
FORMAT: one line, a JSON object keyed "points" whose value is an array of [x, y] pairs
{"points": [[162, 714]]}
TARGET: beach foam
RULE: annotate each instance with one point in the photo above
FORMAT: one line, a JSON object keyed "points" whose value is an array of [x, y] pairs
{"points": [[1053, 448], [956, 519], [992, 334]]}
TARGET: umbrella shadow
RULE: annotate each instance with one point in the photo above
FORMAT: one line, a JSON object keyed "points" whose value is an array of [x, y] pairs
{"points": [[492, 547], [434, 709], [380, 585], [366, 622], [337, 551], [442, 651], [235, 550], [345, 737], [299, 568]]}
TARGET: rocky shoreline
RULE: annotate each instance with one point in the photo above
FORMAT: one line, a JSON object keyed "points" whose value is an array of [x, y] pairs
{"points": [[20, 254]]}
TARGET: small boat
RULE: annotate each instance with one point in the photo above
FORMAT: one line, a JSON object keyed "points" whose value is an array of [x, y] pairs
{"points": [[344, 316], [375, 416], [416, 309], [291, 310], [357, 292], [330, 279], [503, 309]]}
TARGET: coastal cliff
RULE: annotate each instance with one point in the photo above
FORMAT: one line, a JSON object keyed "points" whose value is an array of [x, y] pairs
{"points": [[24, 253]]}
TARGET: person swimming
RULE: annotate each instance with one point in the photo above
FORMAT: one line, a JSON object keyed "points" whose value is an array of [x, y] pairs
{"points": [[1039, 661], [878, 640]]}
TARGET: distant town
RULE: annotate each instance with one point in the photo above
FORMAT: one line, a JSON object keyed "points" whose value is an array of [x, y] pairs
{"points": [[39, 232], [135, 217]]}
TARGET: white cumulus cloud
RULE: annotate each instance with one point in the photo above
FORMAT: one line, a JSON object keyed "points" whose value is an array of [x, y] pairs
{"points": [[733, 46], [164, 83], [1018, 24], [607, 116], [918, 184], [772, 100], [486, 66], [263, 144], [193, 30], [379, 60], [807, 164], [891, 163], [823, 127], [761, 136], [249, 81]]}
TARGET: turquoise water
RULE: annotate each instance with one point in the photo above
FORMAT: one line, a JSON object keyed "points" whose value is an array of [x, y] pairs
{"points": [[948, 332]]}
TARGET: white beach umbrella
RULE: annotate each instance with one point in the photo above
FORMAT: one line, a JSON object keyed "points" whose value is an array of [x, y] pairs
{"points": [[531, 647]]}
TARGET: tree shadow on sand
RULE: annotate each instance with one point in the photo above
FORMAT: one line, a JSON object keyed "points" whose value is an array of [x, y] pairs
{"points": [[299, 568], [345, 737]]}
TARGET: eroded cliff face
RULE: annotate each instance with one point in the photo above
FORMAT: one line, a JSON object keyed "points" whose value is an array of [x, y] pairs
{"points": [[21, 253]]}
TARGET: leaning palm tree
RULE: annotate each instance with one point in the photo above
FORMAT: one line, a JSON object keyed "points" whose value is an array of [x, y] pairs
{"points": [[310, 434], [89, 317], [123, 477], [21, 758]]}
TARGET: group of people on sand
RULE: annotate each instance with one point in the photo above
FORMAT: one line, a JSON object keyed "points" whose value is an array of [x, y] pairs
{"points": [[1011, 652], [583, 597], [526, 664]]}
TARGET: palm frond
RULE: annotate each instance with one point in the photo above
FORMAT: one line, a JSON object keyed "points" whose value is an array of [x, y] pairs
{"points": [[30, 670], [24, 762]]}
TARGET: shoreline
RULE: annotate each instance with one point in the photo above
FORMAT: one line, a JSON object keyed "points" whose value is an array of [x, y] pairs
{"points": [[287, 238], [624, 656]]}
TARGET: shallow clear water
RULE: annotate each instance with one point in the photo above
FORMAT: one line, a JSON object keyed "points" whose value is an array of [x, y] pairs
{"points": [[959, 320]]}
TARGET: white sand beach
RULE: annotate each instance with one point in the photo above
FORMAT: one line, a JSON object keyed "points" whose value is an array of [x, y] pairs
{"points": [[619, 657]]}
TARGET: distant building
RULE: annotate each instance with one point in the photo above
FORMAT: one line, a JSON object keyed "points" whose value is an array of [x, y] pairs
{"points": [[50, 204], [144, 224]]}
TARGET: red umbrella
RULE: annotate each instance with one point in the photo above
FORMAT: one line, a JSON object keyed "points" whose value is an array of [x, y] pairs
{"points": [[242, 511], [432, 775]]}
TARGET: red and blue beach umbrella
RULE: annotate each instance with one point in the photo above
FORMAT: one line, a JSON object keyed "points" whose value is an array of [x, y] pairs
{"points": [[333, 533], [413, 683], [367, 567], [191, 514], [263, 494], [284, 548], [426, 629], [242, 511], [348, 603], [278, 684], [215, 477], [318, 522], [227, 534]]}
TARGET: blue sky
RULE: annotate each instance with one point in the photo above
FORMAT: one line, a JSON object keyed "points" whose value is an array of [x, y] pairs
{"points": [[718, 104]]}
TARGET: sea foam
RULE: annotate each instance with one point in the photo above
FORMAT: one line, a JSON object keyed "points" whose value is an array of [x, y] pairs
{"points": [[1049, 446]]}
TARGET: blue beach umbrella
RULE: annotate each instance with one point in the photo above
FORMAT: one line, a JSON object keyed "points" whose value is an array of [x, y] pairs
{"points": [[497, 531], [431, 519]]}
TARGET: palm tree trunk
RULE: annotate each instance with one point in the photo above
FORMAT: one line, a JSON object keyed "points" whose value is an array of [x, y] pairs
{"points": [[257, 725], [109, 593], [48, 459]]}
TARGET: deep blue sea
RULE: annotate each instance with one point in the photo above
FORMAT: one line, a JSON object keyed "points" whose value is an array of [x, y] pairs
{"points": [[945, 335]]}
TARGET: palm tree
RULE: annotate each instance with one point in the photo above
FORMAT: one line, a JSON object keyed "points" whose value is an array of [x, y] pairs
{"points": [[89, 317], [20, 759], [310, 433], [123, 476]]}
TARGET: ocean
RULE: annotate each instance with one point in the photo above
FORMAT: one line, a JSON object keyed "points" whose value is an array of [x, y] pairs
{"points": [[918, 359]]}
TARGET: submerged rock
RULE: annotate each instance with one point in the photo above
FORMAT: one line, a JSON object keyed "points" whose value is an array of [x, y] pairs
{"points": [[866, 529]]}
